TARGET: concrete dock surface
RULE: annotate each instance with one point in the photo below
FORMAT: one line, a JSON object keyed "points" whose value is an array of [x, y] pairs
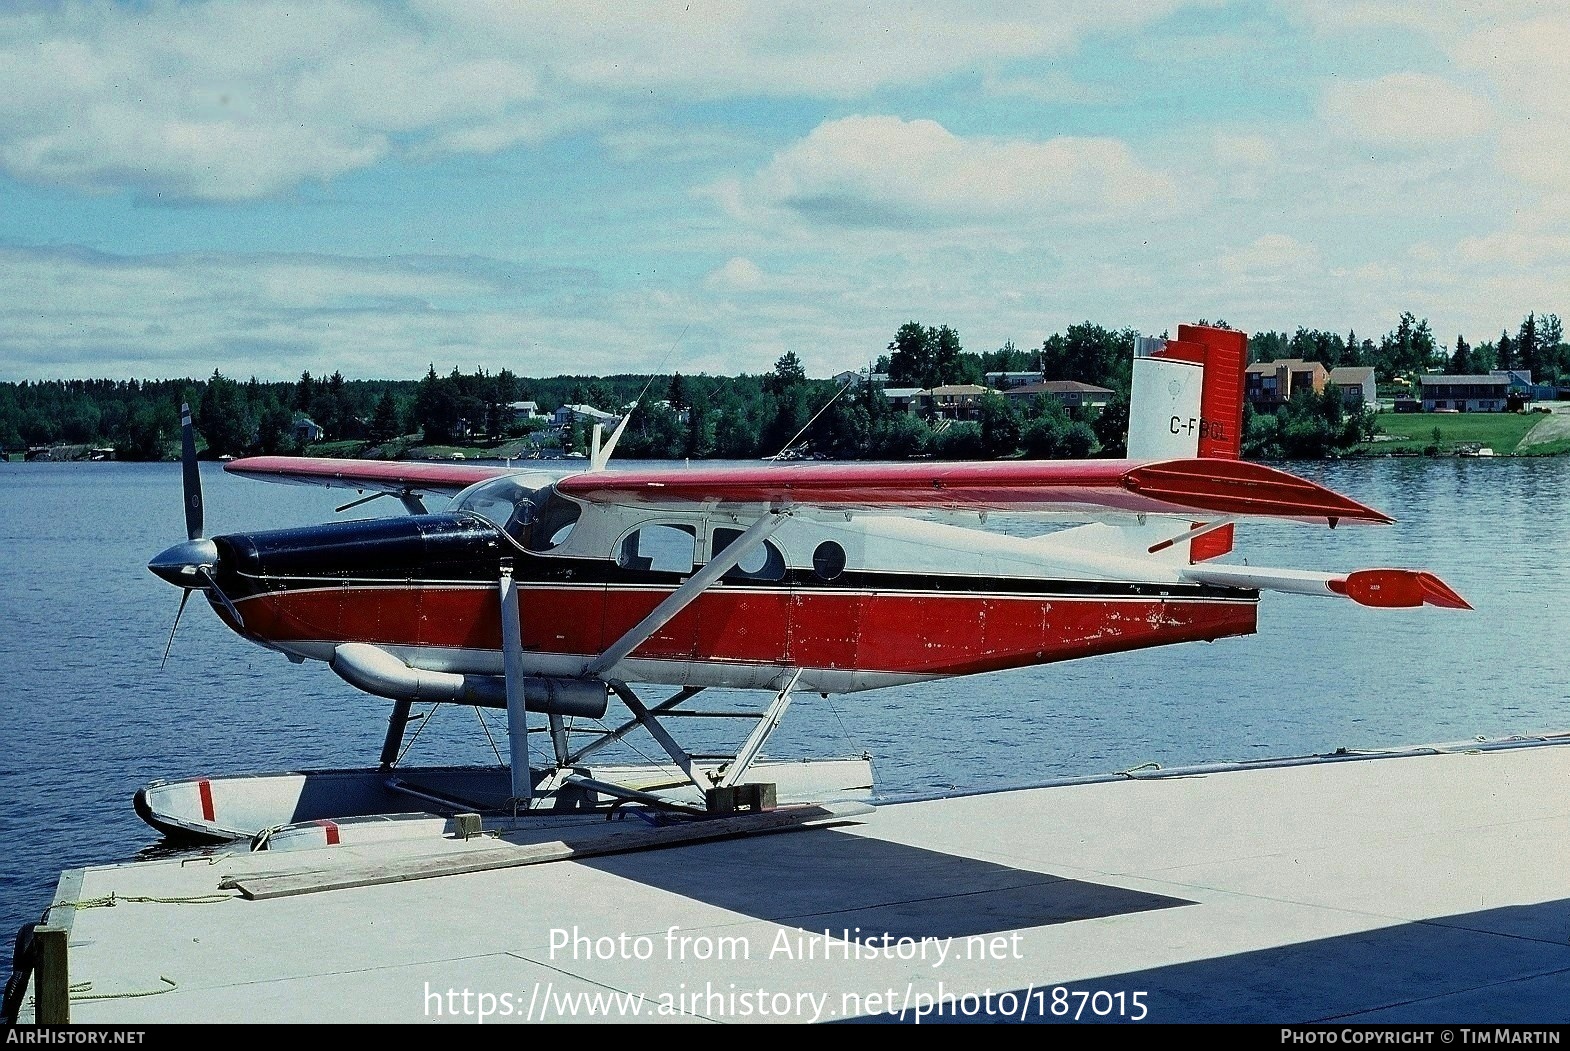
{"points": [[1427, 886]]}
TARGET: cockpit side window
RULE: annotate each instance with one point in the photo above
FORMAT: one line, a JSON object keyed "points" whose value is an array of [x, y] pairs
{"points": [[555, 515], [536, 519]]}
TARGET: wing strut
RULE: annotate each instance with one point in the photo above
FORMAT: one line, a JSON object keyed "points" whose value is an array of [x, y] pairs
{"points": [[512, 667], [408, 497], [682, 597]]}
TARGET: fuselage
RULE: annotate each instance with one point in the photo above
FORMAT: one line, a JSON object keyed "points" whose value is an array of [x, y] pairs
{"points": [[854, 603]]}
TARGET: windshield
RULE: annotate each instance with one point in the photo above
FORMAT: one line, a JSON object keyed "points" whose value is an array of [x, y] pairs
{"points": [[537, 519]]}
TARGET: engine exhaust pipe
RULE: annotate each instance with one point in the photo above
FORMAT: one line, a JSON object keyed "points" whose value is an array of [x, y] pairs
{"points": [[374, 670]]}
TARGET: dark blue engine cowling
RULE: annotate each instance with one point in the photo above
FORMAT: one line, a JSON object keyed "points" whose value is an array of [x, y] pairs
{"points": [[411, 547]]}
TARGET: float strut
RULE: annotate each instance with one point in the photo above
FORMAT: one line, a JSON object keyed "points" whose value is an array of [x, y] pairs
{"points": [[395, 727]]}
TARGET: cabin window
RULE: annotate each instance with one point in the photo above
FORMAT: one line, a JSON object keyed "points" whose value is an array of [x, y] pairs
{"points": [[763, 562], [828, 560], [658, 549], [537, 519]]}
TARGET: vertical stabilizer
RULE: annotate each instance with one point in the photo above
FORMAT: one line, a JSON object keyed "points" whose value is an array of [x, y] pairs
{"points": [[1186, 401], [1165, 395]]}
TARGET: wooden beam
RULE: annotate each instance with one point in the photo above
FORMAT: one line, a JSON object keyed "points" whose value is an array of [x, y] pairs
{"points": [[52, 977]]}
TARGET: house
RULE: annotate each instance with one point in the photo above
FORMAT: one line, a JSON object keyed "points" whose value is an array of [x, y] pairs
{"points": [[953, 401], [1464, 393], [1006, 380], [1072, 393], [902, 399], [1357, 386], [524, 411], [307, 430], [564, 416], [1268, 384], [1522, 389]]}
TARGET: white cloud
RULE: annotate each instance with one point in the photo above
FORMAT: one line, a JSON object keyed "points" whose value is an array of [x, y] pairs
{"points": [[1272, 256], [717, 48], [1243, 150], [1410, 109], [1340, 16], [643, 144], [227, 100], [1052, 86], [1529, 65], [1526, 249], [85, 313], [737, 275], [880, 171]]}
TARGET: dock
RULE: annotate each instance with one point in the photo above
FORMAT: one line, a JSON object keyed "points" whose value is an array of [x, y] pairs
{"points": [[1425, 885]]}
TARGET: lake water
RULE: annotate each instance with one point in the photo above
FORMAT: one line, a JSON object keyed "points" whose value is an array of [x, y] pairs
{"points": [[89, 717]]}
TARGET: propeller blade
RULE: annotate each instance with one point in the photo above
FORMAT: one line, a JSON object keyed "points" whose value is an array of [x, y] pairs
{"points": [[190, 476], [184, 597], [213, 589]]}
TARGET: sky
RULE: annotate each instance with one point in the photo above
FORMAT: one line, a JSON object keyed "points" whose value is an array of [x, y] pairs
{"points": [[267, 187]]}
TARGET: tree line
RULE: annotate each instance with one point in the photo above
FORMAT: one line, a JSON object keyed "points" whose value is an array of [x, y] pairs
{"points": [[745, 416], [1538, 346]]}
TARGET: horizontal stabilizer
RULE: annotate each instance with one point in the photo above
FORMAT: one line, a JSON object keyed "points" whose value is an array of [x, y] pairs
{"points": [[1384, 588]]}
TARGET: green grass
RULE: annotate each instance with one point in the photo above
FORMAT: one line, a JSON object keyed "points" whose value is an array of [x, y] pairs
{"points": [[490, 451], [343, 448], [1499, 431], [1554, 448], [409, 447]]}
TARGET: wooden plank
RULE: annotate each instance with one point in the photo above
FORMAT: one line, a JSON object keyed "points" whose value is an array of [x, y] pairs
{"points": [[52, 978], [62, 911], [507, 855], [59, 916]]}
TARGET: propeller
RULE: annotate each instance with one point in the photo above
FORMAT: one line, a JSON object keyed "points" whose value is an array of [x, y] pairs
{"points": [[190, 476], [190, 565]]}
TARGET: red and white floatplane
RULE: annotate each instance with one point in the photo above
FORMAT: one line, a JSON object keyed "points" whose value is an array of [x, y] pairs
{"points": [[556, 593]]}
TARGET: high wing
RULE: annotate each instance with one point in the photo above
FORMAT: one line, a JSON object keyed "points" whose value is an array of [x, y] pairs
{"points": [[1168, 487], [394, 478], [1171, 487]]}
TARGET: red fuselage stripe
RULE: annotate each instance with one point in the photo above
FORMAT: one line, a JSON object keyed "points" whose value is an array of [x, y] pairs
{"points": [[920, 633]]}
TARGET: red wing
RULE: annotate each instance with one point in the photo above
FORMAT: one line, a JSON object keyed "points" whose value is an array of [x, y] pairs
{"points": [[1222, 487], [443, 479]]}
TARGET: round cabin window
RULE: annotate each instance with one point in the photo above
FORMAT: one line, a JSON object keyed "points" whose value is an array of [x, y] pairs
{"points": [[828, 561]]}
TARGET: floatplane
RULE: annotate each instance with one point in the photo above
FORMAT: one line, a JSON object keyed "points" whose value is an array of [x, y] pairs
{"points": [[550, 594]]}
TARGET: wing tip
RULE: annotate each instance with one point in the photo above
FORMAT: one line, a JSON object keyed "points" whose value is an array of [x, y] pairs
{"points": [[1243, 487]]}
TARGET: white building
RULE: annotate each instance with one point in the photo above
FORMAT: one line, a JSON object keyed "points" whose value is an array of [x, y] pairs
{"points": [[564, 416], [525, 411]]}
